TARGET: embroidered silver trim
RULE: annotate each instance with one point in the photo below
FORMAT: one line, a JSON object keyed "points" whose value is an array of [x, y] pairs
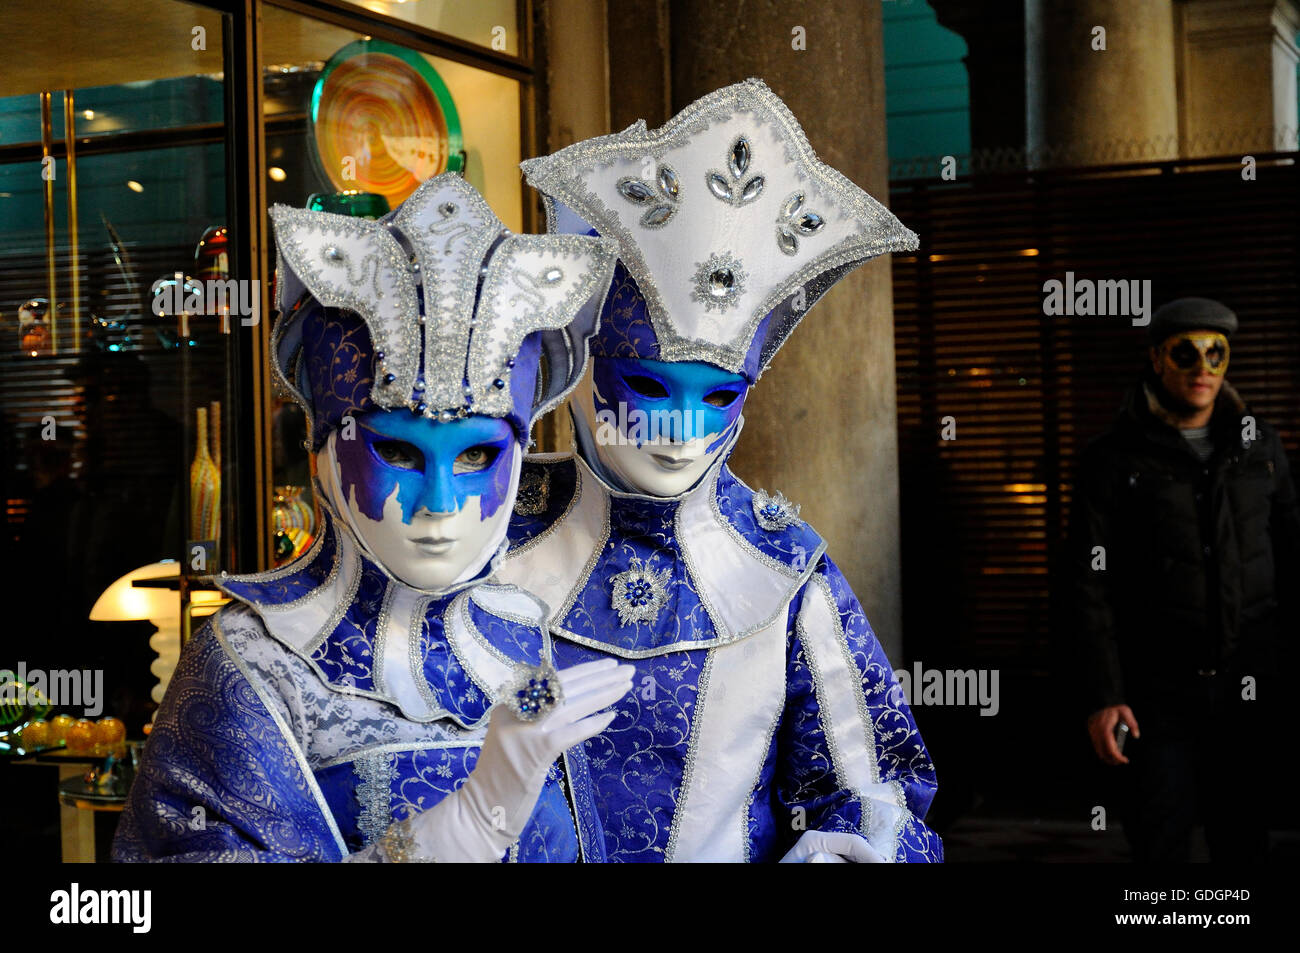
{"points": [[289, 739], [353, 583], [640, 593], [401, 747], [774, 513], [754, 551], [758, 773], [376, 773], [280, 572], [692, 751], [381, 638], [389, 306]]}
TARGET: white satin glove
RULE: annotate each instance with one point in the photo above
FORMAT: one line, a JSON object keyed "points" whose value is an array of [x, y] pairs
{"points": [[832, 847], [481, 819]]}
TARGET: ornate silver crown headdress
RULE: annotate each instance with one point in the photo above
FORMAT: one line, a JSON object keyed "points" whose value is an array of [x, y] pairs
{"points": [[448, 296], [722, 215]]}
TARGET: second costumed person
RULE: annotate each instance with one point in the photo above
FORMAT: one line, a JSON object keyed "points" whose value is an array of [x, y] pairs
{"points": [[765, 721]]}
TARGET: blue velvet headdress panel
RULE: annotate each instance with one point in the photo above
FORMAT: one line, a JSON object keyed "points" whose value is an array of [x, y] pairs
{"points": [[626, 329]]}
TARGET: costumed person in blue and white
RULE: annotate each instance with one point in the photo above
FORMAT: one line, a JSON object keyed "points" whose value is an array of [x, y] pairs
{"points": [[379, 699], [765, 722]]}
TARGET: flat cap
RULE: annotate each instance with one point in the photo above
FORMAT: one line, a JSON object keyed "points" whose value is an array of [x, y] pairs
{"points": [[1191, 314]]}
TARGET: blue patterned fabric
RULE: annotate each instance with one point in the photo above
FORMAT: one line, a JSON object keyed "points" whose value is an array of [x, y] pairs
{"points": [[638, 763], [806, 776], [641, 530], [219, 781], [227, 778]]}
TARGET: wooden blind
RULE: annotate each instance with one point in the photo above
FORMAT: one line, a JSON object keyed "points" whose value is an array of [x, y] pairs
{"points": [[984, 515]]}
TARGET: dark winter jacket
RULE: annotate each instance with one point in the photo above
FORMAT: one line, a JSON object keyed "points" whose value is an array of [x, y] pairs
{"points": [[1196, 555]]}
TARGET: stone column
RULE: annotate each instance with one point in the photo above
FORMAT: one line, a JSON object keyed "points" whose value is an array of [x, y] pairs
{"points": [[574, 104], [821, 426], [1237, 76], [1087, 106]]}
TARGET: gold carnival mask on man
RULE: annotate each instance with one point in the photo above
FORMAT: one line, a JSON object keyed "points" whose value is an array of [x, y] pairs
{"points": [[1207, 350]]}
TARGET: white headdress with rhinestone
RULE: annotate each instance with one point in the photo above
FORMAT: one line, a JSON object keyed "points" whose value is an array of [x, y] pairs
{"points": [[444, 247], [721, 216]]}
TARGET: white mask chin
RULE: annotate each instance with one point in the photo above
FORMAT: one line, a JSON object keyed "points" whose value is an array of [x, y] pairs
{"points": [[433, 552], [658, 467]]}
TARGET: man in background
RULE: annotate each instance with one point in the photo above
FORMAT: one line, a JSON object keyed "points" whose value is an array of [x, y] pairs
{"points": [[1185, 535]]}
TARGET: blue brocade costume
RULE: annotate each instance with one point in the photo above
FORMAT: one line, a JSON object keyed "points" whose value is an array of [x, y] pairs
{"points": [[328, 702], [763, 705]]}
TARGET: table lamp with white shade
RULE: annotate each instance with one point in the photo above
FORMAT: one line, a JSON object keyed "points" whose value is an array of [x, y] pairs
{"points": [[124, 601]]}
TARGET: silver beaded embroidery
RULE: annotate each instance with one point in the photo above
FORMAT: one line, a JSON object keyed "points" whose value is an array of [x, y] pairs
{"points": [[375, 281], [639, 593], [774, 513], [566, 176], [375, 773], [449, 360]]}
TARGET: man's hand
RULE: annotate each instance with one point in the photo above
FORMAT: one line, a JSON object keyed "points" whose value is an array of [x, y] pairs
{"points": [[1101, 728]]}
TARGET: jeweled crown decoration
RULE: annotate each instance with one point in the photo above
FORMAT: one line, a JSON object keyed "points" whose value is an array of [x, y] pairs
{"points": [[448, 296], [721, 216]]}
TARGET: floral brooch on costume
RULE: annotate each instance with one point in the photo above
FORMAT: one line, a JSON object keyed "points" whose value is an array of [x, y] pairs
{"points": [[638, 594], [774, 512]]}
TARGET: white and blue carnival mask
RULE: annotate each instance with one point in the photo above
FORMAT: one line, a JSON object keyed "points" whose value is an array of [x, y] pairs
{"points": [[422, 347], [729, 229]]}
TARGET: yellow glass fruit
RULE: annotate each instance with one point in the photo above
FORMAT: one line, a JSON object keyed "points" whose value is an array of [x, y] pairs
{"points": [[81, 737], [59, 726], [36, 736]]}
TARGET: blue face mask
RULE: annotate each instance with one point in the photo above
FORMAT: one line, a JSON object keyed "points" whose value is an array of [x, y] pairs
{"points": [[434, 465], [676, 401]]}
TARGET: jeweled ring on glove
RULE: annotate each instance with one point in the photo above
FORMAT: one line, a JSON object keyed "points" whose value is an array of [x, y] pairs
{"points": [[534, 691]]}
